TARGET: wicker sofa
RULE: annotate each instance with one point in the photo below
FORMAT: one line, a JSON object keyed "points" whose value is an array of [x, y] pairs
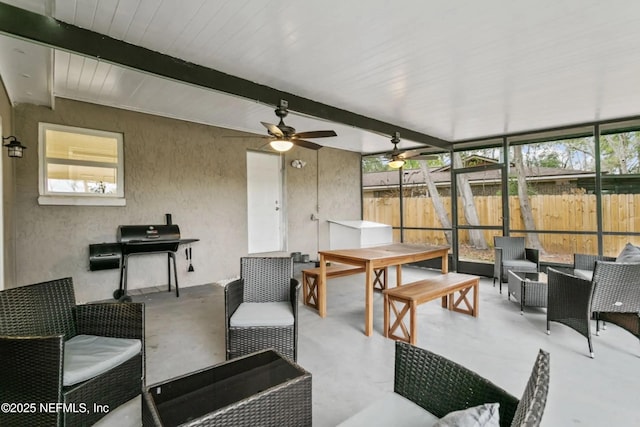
{"points": [[428, 387], [80, 361]]}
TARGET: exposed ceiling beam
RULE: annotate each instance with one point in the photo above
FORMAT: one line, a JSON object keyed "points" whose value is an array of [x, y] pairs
{"points": [[50, 32]]}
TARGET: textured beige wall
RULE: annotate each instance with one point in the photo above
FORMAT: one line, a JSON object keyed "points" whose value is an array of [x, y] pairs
{"points": [[189, 170], [8, 201]]}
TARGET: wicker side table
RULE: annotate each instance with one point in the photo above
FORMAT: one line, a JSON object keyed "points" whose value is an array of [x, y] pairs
{"points": [[529, 289], [260, 389]]}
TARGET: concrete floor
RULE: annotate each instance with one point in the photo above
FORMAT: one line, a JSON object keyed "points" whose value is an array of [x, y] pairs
{"points": [[351, 370]]}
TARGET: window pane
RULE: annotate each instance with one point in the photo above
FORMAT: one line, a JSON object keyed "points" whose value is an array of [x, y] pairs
{"points": [[559, 248], [81, 179], [79, 146], [620, 183], [613, 245], [551, 185]]}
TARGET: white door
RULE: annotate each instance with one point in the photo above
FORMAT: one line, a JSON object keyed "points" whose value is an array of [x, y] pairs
{"points": [[264, 202]]}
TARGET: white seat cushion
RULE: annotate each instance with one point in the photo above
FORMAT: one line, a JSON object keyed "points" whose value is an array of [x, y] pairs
{"points": [[391, 410], [262, 314], [583, 274], [486, 415], [520, 265], [86, 356]]}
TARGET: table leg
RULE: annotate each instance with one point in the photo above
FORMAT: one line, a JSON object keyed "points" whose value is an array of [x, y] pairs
{"points": [[413, 327], [445, 262], [368, 305], [476, 302], [321, 287], [398, 275], [386, 316]]}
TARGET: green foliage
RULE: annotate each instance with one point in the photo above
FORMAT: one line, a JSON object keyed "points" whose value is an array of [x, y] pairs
{"points": [[380, 163]]}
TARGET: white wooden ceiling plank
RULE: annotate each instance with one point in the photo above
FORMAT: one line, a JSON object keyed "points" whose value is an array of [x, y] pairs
{"points": [[109, 87], [143, 17], [104, 16], [87, 74], [65, 10], [100, 76], [74, 72], [84, 13], [122, 19], [165, 31]]}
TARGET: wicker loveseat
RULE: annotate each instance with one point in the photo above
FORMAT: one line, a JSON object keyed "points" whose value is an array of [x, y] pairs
{"points": [[427, 387], [79, 361]]}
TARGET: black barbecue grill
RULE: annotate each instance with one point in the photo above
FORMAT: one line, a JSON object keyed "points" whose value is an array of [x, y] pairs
{"points": [[138, 240]]}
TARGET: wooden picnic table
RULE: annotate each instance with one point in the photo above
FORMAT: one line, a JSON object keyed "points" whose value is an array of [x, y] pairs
{"points": [[375, 258]]}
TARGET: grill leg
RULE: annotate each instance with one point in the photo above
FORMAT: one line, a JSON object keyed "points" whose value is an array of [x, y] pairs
{"points": [[121, 293], [172, 255], [169, 270]]}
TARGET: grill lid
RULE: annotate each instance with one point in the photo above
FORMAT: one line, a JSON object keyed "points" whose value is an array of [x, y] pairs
{"points": [[148, 233]]}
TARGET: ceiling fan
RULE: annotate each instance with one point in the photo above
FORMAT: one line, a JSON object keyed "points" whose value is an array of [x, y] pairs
{"points": [[286, 136], [398, 157]]}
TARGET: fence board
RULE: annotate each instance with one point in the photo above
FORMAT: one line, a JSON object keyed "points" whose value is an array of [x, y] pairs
{"points": [[564, 212]]}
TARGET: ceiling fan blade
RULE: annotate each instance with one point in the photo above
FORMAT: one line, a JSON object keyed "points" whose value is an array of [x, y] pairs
{"points": [[417, 155], [306, 144], [425, 157], [316, 134], [273, 129]]}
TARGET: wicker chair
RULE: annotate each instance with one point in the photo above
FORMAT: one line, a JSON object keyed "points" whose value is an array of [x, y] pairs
{"points": [[584, 264], [250, 323], [613, 295], [35, 323], [569, 302], [616, 295], [511, 254], [440, 386]]}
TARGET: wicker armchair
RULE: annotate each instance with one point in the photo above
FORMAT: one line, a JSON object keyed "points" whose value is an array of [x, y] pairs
{"points": [[584, 264], [35, 323], [616, 295], [511, 254], [613, 295], [440, 386], [569, 302], [261, 308]]}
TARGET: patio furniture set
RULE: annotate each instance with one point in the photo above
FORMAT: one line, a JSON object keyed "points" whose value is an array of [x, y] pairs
{"points": [[597, 287], [44, 335]]}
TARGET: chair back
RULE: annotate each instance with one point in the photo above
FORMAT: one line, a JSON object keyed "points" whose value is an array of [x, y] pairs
{"points": [[42, 309], [616, 287], [512, 247], [266, 279], [534, 399], [440, 385]]}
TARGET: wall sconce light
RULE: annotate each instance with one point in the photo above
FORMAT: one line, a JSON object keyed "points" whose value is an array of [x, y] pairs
{"points": [[298, 164], [14, 146]]}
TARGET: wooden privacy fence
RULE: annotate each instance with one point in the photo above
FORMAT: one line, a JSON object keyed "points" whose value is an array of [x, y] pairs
{"points": [[563, 212]]}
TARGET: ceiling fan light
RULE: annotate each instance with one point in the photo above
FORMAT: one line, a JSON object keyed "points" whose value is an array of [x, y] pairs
{"points": [[396, 163], [281, 145]]}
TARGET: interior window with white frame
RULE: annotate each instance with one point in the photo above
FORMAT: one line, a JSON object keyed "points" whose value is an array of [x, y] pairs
{"points": [[80, 166]]}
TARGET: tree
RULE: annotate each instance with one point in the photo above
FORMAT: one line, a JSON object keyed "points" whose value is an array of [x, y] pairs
{"points": [[620, 152], [476, 236], [438, 206], [525, 206]]}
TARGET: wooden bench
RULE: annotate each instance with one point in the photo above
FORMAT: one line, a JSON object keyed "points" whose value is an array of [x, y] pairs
{"points": [[310, 280], [407, 298]]}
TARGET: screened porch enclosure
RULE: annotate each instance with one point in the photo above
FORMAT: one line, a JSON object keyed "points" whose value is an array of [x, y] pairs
{"points": [[566, 191]]}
